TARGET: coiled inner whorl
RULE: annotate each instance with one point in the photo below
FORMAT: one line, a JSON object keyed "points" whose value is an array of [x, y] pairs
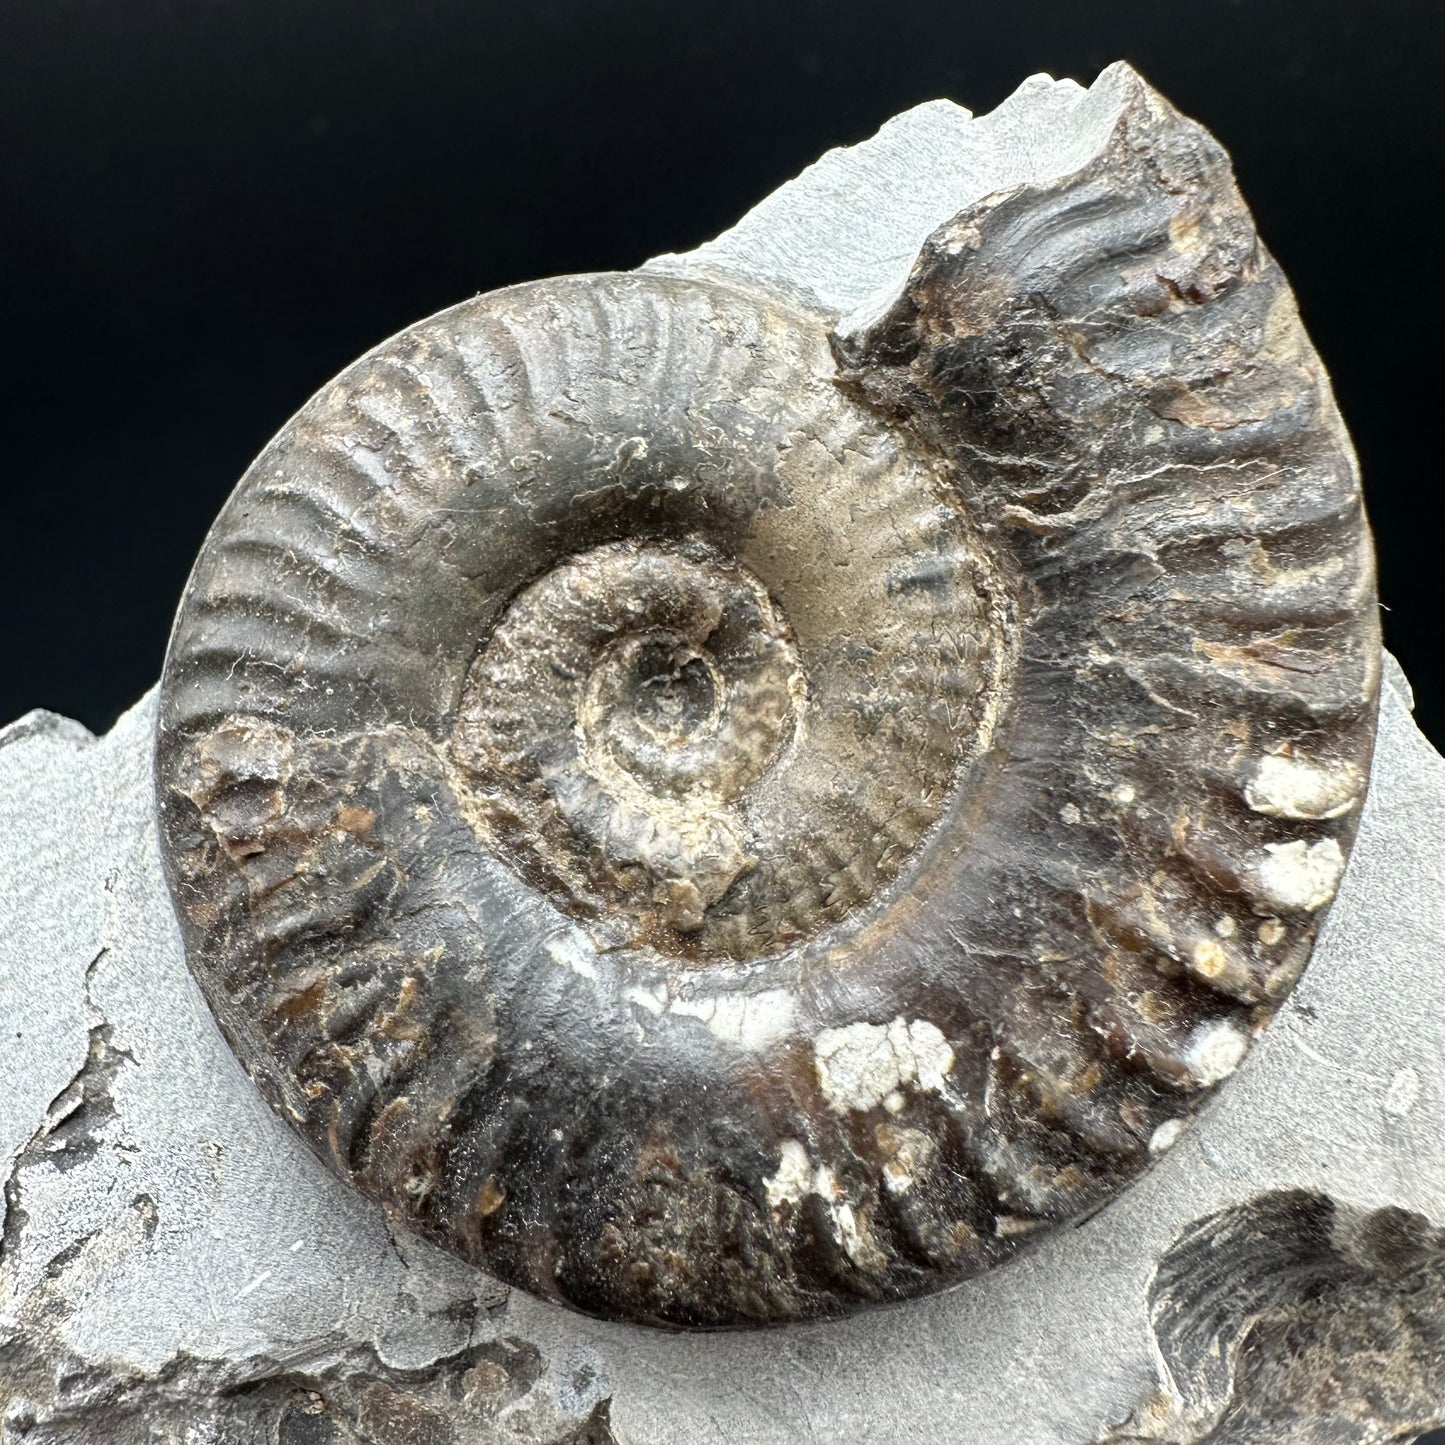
{"points": [[651, 743], [720, 831]]}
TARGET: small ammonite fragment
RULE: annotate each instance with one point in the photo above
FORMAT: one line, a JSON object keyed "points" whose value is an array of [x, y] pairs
{"points": [[719, 822]]}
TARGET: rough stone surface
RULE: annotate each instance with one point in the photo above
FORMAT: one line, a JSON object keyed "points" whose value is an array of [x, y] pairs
{"points": [[845, 233], [177, 1267]]}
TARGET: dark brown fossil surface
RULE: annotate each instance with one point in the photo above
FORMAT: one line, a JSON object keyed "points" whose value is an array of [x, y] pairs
{"points": [[722, 823]]}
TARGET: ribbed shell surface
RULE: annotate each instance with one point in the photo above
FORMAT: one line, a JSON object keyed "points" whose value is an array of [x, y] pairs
{"points": [[721, 824]]}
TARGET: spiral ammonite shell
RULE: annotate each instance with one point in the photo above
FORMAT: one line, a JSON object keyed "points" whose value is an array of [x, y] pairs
{"points": [[722, 823]]}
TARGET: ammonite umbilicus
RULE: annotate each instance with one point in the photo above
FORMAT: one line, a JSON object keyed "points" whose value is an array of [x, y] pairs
{"points": [[719, 822]]}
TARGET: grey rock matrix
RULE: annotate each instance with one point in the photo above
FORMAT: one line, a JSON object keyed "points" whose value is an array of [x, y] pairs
{"points": [[176, 1266]]}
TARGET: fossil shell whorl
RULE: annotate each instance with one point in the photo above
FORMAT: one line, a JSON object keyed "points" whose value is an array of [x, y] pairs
{"points": [[720, 824]]}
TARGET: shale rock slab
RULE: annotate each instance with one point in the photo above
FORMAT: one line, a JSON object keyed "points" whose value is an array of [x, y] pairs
{"points": [[176, 1266]]}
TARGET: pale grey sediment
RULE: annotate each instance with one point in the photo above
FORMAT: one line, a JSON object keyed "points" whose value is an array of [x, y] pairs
{"points": [[177, 1266]]}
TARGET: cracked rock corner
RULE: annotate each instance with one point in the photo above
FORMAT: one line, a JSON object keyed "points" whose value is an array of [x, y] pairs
{"points": [[175, 1267]]}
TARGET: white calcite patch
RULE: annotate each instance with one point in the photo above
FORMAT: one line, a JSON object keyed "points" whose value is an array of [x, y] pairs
{"points": [[1015, 1226], [1165, 1135], [847, 1229], [1289, 787], [913, 1152], [825, 1184], [1210, 958], [857, 1244], [861, 1065], [654, 1000], [1215, 1051], [746, 1021], [572, 950], [791, 1181], [1300, 875], [896, 1178]]}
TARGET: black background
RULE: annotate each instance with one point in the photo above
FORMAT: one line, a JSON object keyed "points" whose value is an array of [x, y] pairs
{"points": [[207, 207]]}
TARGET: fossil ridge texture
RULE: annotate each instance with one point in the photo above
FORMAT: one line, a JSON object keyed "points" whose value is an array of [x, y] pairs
{"points": [[176, 1263], [723, 820]]}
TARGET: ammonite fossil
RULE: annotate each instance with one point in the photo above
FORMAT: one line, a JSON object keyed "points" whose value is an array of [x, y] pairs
{"points": [[721, 822]]}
